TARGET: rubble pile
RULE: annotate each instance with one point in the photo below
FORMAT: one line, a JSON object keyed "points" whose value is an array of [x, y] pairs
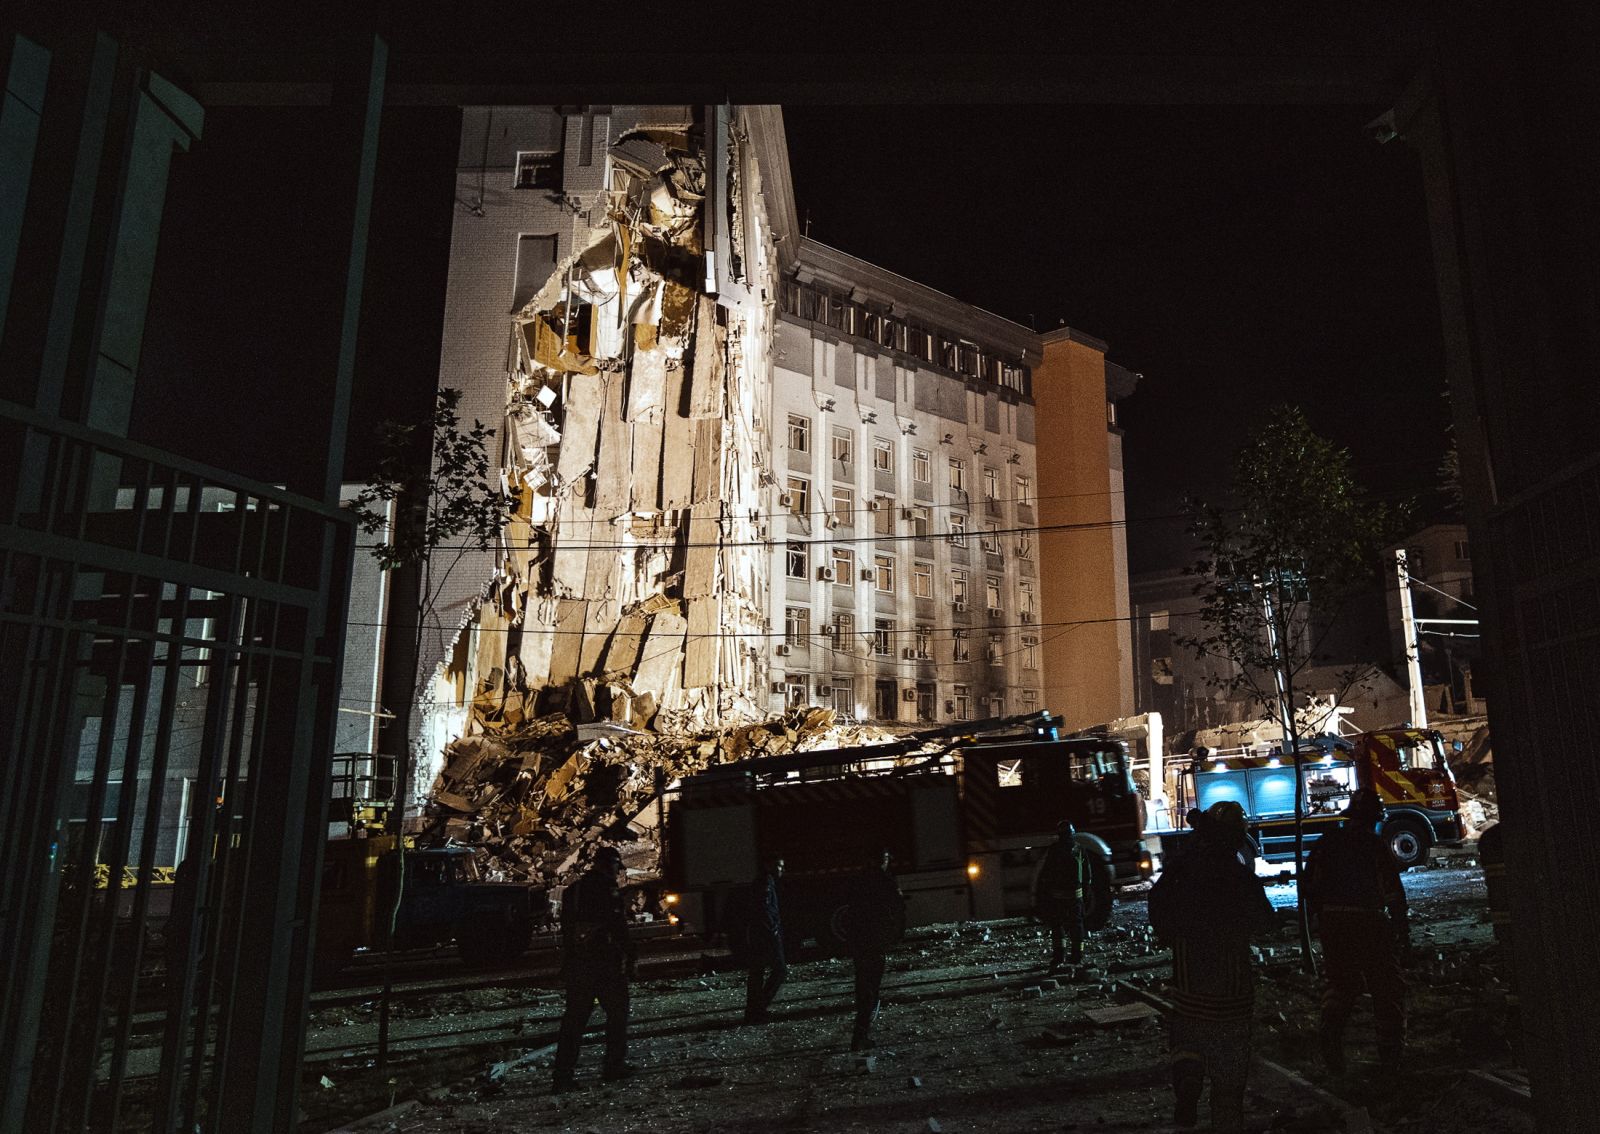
{"points": [[532, 795]]}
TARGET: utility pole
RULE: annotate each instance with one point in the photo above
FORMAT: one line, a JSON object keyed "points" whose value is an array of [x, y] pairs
{"points": [[1408, 631]]}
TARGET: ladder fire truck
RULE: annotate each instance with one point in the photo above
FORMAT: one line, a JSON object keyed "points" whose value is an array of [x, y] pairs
{"points": [[966, 812], [1407, 767]]}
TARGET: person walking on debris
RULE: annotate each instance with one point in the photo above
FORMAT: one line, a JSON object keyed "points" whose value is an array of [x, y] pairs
{"points": [[1350, 880], [597, 963], [874, 917], [1059, 886], [1207, 905], [764, 942]]}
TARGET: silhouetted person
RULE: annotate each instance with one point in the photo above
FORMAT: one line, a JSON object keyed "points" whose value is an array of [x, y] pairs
{"points": [[1206, 906], [597, 961], [764, 942], [874, 918], [1059, 887], [1350, 880]]}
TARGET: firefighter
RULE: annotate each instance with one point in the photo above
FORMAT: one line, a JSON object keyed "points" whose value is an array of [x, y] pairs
{"points": [[766, 970], [597, 963], [1350, 881], [874, 916], [1207, 905], [1058, 892]]}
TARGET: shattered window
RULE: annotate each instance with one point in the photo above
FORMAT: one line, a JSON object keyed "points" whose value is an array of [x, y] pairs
{"points": [[997, 649], [844, 506], [844, 697], [1030, 651], [796, 567], [925, 703], [1025, 595], [1025, 545], [924, 641], [991, 483], [883, 636], [799, 495], [1024, 489], [961, 646], [921, 466], [883, 566], [991, 538], [843, 446], [844, 634], [799, 690], [958, 586], [922, 580], [1030, 700], [958, 530], [799, 433], [958, 474], [961, 702], [883, 517], [538, 169], [991, 591], [844, 565], [883, 455], [919, 523], [797, 626]]}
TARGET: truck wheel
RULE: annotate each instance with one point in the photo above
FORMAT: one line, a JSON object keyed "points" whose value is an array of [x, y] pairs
{"points": [[493, 942], [1408, 841], [1097, 902]]}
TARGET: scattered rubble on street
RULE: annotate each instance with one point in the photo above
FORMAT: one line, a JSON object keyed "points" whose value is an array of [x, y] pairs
{"points": [[959, 1046]]}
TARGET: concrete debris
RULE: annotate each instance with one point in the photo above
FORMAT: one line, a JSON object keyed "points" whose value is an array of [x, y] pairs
{"points": [[533, 794]]}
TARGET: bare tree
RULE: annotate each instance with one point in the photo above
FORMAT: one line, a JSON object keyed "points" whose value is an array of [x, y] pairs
{"points": [[1278, 568]]}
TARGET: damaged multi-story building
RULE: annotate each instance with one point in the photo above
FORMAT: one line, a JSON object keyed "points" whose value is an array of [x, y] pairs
{"points": [[717, 430]]}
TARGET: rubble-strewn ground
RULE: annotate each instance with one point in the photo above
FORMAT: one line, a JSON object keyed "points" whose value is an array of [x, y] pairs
{"points": [[964, 1043]]}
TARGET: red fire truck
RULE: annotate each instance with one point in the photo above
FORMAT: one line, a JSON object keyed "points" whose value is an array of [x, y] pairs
{"points": [[966, 812], [1407, 767]]}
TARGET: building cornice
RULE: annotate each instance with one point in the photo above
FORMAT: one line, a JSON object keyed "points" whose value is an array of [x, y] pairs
{"points": [[764, 125]]}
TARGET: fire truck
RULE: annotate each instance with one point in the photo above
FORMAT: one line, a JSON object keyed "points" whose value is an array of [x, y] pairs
{"points": [[966, 812], [1407, 768]]}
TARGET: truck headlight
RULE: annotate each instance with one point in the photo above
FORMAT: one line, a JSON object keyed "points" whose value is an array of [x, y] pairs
{"points": [[972, 870], [671, 899]]}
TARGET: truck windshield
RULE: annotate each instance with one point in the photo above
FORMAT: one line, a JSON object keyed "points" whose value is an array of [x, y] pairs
{"points": [[1104, 767], [1423, 755]]}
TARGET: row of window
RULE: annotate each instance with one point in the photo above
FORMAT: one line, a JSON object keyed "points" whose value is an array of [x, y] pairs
{"points": [[839, 692], [818, 304], [797, 500], [842, 450], [883, 639], [881, 573]]}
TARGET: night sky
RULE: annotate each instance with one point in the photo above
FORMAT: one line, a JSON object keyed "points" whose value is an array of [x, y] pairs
{"points": [[1236, 256]]}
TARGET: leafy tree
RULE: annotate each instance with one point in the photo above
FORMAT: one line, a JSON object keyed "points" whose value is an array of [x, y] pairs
{"points": [[1278, 567], [447, 502]]}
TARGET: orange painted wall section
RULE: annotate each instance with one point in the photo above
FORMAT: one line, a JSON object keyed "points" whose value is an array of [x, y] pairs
{"points": [[1081, 633]]}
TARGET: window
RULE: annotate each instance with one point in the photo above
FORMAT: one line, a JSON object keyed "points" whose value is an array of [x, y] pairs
{"points": [[844, 446], [958, 586], [538, 169], [991, 483], [925, 702], [799, 433], [844, 505], [922, 580], [798, 694], [844, 633], [536, 259], [958, 530], [1463, 549], [990, 538], [883, 455], [883, 518], [883, 636], [797, 561], [799, 495], [997, 649], [1030, 701], [1024, 545], [919, 523], [797, 626], [921, 466], [884, 568], [1030, 651], [961, 646], [1111, 413], [924, 641], [962, 697], [1024, 489], [958, 474], [991, 591], [1160, 619], [844, 697], [1025, 598], [843, 561]]}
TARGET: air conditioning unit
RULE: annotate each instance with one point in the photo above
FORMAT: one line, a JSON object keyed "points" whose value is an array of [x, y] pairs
{"points": [[830, 521], [908, 514], [829, 631], [825, 574], [1026, 616], [874, 505], [785, 500], [784, 649], [779, 687], [824, 691], [908, 695], [959, 605], [996, 612], [909, 654], [867, 575]]}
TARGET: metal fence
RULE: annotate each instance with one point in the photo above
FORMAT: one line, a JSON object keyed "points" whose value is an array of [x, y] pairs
{"points": [[170, 641]]}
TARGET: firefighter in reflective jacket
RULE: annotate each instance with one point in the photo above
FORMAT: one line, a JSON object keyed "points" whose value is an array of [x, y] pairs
{"points": [[1058, 891], [1207, 905], [1350, 881], [597, 962]]}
